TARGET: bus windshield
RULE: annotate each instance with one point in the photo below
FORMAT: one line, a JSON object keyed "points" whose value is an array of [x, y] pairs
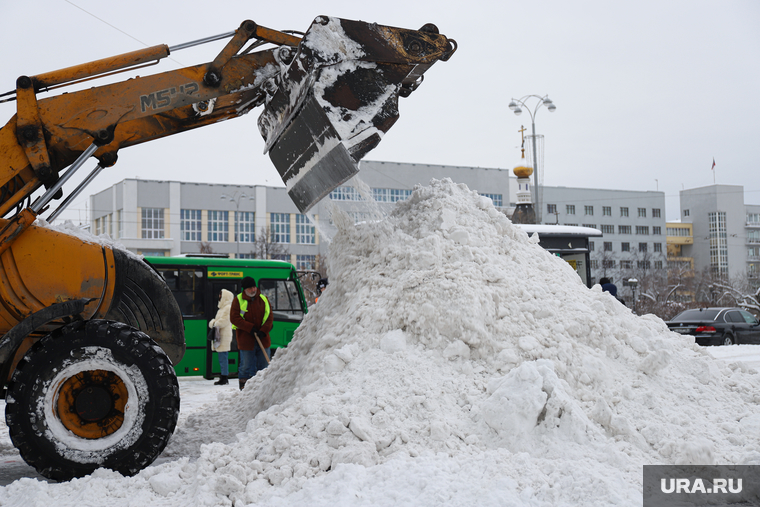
{"points": [[283, 297]]}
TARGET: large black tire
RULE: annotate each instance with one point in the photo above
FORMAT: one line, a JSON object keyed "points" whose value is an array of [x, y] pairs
{"points": [[727, 339], [89, 395]]}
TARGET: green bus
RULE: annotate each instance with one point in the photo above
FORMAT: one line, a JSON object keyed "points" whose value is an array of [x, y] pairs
{"points": [[196, 281]]}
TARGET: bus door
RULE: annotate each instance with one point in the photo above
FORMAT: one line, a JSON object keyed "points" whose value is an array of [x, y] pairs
{"points": [[212, 359], [188, 285]]}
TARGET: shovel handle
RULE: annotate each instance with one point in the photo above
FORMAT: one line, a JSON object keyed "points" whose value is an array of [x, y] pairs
{"points": [[266, 356]]}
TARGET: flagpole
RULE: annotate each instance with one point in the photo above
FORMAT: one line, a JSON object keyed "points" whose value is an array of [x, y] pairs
{"points": [[713, 170]]}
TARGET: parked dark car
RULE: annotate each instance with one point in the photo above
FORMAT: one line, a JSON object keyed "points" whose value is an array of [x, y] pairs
{"points": [[717, 326]]}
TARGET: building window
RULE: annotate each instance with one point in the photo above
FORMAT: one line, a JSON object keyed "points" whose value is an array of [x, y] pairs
{"points": [[305, 233], [594, 264], [657, 264], [625, 247], [551, 209], [245, 226], [642, 247], [753, 218], [218, 226], [608, 229], [608, 246], [245, 256], [496, 199], [590, 246], [571, 225], [590, 226], [190, 224], [657, 247], [644, 264], [642, 230], [718, 242], [570, 209], [626, 265], [306, 262], [345, 194], [678, 231], [280, 257], [656, 230], [608, 264], [607, 211], [624, 229], [99, 226], [686, 213], [280, 226], [623, 212], [120, 223], [152, 223], [642, 212], [655, 212], [388, 194], [589, 210]]}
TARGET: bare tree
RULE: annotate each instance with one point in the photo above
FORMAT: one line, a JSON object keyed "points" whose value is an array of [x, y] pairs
{"points": [[205, 247], [740, 291], [265, 248]]}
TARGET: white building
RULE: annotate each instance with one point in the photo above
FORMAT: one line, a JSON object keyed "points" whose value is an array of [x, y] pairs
{"points": [[726, 230], [171, 217]]}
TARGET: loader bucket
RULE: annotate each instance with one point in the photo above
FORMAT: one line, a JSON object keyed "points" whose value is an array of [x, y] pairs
{"points": [[337, 96]]}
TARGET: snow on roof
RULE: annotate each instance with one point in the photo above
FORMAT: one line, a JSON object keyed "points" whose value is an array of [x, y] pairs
{"points": [[560, 230]]}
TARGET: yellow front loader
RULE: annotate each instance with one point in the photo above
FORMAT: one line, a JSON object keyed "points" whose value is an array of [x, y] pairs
{"points": [[90, 332]]}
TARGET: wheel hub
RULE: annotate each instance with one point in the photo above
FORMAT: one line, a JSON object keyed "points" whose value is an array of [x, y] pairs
{"points": [[91, 403]]}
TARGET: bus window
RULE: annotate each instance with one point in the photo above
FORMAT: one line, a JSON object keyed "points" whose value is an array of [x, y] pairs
{"points": [[283, 297], [187, 286]]}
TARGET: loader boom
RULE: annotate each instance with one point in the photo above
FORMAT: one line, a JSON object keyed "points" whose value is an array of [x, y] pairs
{"points": [[48, 134]]}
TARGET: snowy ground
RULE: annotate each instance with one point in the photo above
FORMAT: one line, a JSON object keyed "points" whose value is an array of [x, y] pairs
{"points": [[198, 392], [195, 393]]}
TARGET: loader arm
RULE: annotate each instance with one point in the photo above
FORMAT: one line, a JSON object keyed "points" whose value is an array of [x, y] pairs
{"points": [[48, 135]]}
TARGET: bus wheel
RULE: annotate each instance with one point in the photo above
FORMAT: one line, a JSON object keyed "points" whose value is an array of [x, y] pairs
{"points": [[89, 395]]}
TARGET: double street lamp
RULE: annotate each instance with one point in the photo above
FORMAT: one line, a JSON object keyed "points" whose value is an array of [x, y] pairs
{"points": [[236, 199], [517, 106]]}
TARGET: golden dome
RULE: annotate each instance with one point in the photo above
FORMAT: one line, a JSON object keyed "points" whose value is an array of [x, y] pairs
{"points": [[522, 170]]}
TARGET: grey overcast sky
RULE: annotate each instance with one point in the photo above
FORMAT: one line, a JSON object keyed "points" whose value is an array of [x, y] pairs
{"points": [[647, 92]]}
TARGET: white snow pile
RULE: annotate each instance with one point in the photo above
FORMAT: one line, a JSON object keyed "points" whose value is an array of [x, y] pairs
{"points": [[451, 361]]}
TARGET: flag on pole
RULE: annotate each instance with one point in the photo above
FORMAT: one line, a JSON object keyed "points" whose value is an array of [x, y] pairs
{"points": [[713, 166]]}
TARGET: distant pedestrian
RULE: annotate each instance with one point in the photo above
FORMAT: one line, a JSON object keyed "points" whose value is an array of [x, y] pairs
{"points": [[251, 317], [224, 326], [321, 286], [608, 286]]}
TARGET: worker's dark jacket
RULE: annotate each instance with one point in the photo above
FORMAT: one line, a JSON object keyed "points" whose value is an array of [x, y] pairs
{"points": [[251, 321]]}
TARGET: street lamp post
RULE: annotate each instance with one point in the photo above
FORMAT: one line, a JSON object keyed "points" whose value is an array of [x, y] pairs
{"points": [[633, 283], [516, 106], [236, 199]]}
